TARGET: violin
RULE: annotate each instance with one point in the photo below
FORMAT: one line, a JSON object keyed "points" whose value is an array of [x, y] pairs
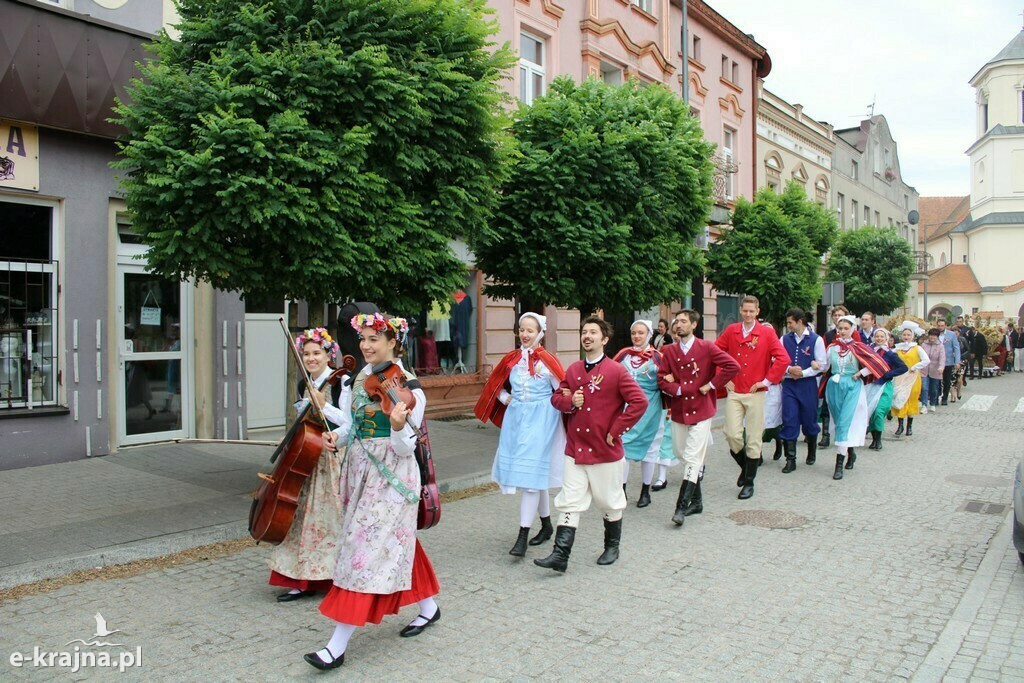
{"points": [[388, 385]]}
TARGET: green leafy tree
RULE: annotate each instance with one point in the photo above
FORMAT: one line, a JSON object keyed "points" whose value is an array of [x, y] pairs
{"points": [[875, 264], [772, 251], [611, 187], [317, 149]]}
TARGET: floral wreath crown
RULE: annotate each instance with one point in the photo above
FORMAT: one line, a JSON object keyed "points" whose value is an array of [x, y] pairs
{"points": [[380, 323], [321, 336]]}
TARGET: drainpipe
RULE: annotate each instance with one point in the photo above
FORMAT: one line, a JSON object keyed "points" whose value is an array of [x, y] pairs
{"points": [[683, 33]]}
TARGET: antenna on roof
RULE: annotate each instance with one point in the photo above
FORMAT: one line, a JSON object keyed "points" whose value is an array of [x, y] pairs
{"points": [[871, 107]]}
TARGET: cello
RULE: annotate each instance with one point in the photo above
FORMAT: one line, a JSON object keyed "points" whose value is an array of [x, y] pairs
{"points": [[388, 385], [277, 497]]}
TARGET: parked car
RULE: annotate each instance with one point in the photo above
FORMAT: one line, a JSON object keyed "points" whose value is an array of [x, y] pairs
{"points": [[1018, 510]]}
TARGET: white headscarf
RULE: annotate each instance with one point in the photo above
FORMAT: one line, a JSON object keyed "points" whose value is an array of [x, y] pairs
{"points": [[542, 323], [912, 326], [650, 332]]}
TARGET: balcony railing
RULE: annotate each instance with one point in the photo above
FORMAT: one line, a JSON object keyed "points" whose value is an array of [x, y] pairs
{"points": [[922, 264], [724, 185]]}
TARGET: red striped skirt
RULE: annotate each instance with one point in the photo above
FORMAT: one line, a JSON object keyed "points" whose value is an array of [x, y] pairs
{"points": [[277, 579], [359, 609]]}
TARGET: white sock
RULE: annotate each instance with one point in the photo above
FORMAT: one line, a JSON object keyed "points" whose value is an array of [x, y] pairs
{"points": [[294, 591], [428, 608], [544, 507], [338, 643], [528, 507], [625, 470], [647, 471], [662, 473]]}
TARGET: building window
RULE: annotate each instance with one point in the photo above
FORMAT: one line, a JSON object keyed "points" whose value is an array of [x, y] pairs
{"points": [[735, 73], [531, 68], [878, 218], [28, 306], [854, 170], [840, 207], [447, 344], [696, 48], [728, 154], [854, 215], [728, 310], [611, 74], [695, 113], [984, 117], [867, 215], [906, 202], [645, 5], [725, 67]]}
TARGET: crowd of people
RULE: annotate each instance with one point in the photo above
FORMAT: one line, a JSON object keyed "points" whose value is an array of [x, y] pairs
{"points": [[578, 430]]}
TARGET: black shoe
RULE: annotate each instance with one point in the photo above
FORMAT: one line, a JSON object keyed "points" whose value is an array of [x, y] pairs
{"points": [[624, 492], [684, 502], [748, 485], [826, 439], [659, 485], [851, 457], [410, 630], [778, 449], [945, 401], [612, 535], [559, 557], [910, 426], [812, 450], [519, 549], [288, 597], [740, 459], [839, 468], [899, 429], [314, 659], [790, 447], [876, 441], [545, 531], [645, 496]]}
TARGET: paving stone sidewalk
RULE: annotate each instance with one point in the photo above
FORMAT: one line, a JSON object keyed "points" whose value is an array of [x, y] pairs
{"points": [[809, 580]]}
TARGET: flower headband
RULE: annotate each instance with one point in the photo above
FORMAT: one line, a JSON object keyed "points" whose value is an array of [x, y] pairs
{"points": [[320, 336], [376, 321]]}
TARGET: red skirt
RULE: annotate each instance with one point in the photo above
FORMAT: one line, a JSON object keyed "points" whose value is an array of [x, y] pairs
{"points": [[301, 584], [359, 609]]}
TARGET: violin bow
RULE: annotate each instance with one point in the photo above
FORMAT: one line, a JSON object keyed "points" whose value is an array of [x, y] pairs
{"points": [[305, 373]]}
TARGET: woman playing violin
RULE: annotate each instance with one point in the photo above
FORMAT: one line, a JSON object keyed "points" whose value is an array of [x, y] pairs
{"points": [[304, 561], [381, 567]]}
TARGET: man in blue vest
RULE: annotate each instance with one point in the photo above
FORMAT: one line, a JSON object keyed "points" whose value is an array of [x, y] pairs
{"points": [[800, 387]]}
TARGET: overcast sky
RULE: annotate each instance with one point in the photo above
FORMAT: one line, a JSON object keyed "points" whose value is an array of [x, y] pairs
{"points": [[912, 57]]}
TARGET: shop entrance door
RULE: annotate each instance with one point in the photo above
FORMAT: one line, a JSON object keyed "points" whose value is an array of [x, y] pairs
{"points": [[154, 379]]}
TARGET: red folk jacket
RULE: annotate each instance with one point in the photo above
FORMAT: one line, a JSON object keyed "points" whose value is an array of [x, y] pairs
{"points": [[754, 354], [488, 407], [613, 402], [704, 363]]}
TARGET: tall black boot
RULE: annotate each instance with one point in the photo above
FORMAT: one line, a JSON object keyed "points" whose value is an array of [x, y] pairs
{"points": [[696, 505], [612, 535], [876, 441], [545, 530], [778, 449], [519, 549], [740, 459], [826, 439], [748, 485], [851, 457], [790, 447], [624, 491], [839, 468], [645, 496], [812, 450], [686, 492], [910, 426], [558, 560], [899, 429]]}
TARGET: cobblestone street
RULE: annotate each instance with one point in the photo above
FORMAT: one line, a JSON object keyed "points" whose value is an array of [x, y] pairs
{"points": [[903, 569]]}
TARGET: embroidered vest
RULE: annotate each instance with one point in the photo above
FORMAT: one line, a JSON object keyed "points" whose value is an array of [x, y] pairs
{"points": [[800, 353]]}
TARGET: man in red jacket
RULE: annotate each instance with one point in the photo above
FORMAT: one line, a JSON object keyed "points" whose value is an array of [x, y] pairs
{"points": [[690, 372], [602, 402], [763, 362]]}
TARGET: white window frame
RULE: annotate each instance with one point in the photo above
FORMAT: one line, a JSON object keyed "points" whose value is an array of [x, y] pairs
{"points": [[728, 154], [645, 5], [528, 69]]}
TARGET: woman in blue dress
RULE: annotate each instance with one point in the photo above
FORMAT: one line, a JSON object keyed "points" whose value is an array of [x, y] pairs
{"points": [[517, 398], [643, 442]]}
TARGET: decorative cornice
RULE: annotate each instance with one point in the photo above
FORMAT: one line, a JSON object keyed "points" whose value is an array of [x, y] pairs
{"points": [[723, 28], [729, 84], [697, 85], [599, 27], [730, 100], [693, 63], [549, 7]]}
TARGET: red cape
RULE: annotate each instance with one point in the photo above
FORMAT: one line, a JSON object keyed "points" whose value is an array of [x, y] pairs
{"points": [[488, 407], [867, 358]]}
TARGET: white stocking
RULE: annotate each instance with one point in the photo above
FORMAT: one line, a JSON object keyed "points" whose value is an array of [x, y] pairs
{"points": [[544, 507], [428, 608], [662, 473], [647, 471], [625, 470], [338, 643], [528, 507]]}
